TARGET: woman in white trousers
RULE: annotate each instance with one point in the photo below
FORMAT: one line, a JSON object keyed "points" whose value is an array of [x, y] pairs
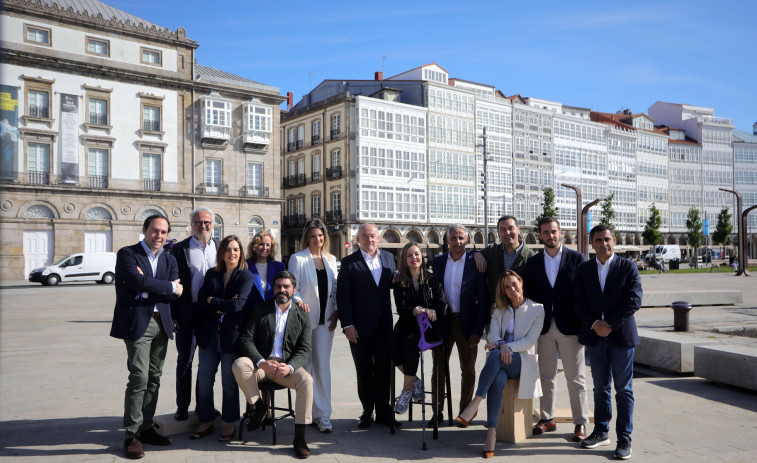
{"points": [[315, 271]]}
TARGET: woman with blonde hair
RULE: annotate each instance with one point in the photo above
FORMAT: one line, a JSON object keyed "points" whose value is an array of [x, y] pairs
{"points": [[262, 265], [315, 271], [513, 334]]}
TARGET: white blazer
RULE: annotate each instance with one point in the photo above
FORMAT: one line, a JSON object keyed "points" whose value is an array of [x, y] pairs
{"points": [[302, 267], [529, 319]]}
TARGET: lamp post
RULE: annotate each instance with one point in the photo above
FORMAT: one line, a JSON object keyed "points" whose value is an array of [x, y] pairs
{"points": [[742, 238], [581, 212], [486, 193]]}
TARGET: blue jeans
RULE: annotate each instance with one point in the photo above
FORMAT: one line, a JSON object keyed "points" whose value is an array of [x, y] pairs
{"points": [[612, 364], [206, 375], [492, 380]]}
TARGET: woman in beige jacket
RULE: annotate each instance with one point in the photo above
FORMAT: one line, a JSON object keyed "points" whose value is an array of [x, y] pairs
{"points": [[515, 328]]}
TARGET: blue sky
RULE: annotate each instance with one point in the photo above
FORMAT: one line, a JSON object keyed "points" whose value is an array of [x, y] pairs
{"points": [[600, 55]]}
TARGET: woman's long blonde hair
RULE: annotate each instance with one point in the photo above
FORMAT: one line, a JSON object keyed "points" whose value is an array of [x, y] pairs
{"points": [[502, 300], [309, 227]]}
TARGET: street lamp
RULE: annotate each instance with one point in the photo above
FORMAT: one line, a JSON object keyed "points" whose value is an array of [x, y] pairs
{"points": [[581, 213], [742, 230]]}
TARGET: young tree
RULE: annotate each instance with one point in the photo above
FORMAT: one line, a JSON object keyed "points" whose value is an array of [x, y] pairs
{"points": [[548, 208], [724, 228], [651, 234], [608, 213], [694, 235]]}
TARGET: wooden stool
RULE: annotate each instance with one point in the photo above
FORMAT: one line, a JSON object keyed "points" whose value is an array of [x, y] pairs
{"points": [[514, 423]]}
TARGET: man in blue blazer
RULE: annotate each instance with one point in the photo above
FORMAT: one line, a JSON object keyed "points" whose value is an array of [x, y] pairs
{"points": [[466, 292], [194, 256], [365, 313], [146, 280], [548, 279], [606, 295]]}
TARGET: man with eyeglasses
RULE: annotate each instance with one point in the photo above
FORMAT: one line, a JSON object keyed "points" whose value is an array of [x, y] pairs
{"points": [[194, 256]]}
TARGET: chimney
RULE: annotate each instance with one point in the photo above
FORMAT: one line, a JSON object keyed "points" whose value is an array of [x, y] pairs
{"points": [[290, 100], [378, 75]]}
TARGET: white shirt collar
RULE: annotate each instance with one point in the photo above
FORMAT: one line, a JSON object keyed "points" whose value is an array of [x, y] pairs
{"points": [[461, 259]]}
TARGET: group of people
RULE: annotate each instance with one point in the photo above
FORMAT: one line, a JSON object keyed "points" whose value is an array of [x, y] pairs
{"points": [[261, 322]]}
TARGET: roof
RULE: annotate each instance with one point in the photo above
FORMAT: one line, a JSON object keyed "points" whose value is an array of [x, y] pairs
{"points": [[205, 73], [423, 66], [746, 136], [94, 8]]}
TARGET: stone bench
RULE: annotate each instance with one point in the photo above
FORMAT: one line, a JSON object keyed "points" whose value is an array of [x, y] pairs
{"points": [[709, 297], [515, 421], [668, 351], [735, 365]]}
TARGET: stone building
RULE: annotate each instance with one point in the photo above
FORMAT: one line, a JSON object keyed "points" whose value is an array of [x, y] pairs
{"points": [[106, 119]]}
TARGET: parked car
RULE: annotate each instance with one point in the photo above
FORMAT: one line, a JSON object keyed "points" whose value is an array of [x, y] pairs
{"points": [[99, 267]]}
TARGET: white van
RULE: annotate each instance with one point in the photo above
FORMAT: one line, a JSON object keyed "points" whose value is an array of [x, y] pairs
{"points": [[99, 267], [664, 253]]}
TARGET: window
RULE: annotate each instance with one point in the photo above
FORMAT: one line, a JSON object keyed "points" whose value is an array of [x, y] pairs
{"points": [[212, 175], [97, 163], [218, 227], [316, 204], [253, 227], [98, 213], [97, 47], [152, 57], [151, 118], [290, 142], [316, 167], [300, 136], [218, 113], [37, 35], [336, 159], [98, 112], [335, 126], [38, 158], [291, 170], [336, 202], [301, 166], [259, 122], [316, 138], [255, 179], [217, 118], [151, 171], [39, 104]]}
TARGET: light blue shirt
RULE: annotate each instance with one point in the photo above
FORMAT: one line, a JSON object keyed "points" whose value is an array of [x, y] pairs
{"points": [[153, 259], [201, 258]]}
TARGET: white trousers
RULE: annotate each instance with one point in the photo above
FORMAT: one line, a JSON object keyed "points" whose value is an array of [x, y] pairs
{"points": [[319, 367], [552, 343]]}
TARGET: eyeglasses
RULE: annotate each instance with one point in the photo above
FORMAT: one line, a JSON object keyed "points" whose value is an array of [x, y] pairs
{"points": [[202, 222]]}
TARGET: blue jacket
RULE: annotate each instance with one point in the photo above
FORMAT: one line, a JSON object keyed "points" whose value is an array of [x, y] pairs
{"points": [[474, 295], [256, 294]]}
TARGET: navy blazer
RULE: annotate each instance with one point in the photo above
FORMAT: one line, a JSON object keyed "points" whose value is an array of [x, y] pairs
{"points": [[132, 312], [232, 301], [619, 301], [182, 308], [361, 303], [256, 294], [557, 300], [474, 294]]}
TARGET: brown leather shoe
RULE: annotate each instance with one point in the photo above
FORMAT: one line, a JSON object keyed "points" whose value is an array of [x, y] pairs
{"points": [[545, 426], [133, 449], [301, 449], [580, 433]]}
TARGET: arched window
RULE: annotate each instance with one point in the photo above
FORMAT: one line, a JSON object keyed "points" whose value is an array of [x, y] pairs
{"points": [[98, 213], [39, 211], [147, 213], [218, 228], [253, 226]]}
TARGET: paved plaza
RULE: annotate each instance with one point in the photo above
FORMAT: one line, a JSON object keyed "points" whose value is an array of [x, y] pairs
{"points": [[62, 381]]}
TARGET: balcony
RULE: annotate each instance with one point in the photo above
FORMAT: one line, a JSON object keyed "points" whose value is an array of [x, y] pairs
{"points": [[300, 144], [290, 146], [39, 178], [335, 134], [294, 220], [256, 141], [316, 177], [98, 181], [39, 111], [294, 181], [215, 136], [151, 126], [334, 172], [98, 119], [315, 139], [212, 189], [333, 216], [152, 184], [253, 192]]}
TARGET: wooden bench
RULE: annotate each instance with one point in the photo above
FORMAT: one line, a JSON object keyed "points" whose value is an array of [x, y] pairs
{"points": [[515, 422]]}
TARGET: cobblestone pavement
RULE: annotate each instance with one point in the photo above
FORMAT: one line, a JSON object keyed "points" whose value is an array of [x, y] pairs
{"points": [[62, 380]]}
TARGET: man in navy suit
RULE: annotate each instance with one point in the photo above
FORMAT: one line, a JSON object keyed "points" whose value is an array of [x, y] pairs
{"points": [[467, 295], [365, 313], [548, 280], [606, 295], [194, 256], [146, 281]]}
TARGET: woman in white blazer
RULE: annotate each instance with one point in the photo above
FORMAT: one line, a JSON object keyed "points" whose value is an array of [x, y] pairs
{"points": [[515, 328], [315, 271]]}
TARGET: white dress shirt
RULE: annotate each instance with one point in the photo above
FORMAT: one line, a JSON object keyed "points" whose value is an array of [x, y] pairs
{"points": [[201, 258], [552, 266], [603, 270], [374, 265], [453, 281]]}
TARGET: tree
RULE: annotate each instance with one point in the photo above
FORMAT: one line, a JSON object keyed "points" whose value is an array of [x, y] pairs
{"points": [[548, 208], [694, 235], [724, 228], [608, 213], [651, 234]]}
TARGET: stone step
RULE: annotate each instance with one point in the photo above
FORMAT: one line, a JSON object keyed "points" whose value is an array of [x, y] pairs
{"points": [[669, 351], [708, 297], [735, 365]]}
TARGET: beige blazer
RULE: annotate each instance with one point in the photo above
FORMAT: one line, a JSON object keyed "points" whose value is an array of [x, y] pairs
{"points": [[302, 267], [529, 319]]}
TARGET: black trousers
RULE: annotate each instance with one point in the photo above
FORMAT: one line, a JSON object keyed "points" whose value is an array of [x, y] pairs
{"points": [[373, 368]]}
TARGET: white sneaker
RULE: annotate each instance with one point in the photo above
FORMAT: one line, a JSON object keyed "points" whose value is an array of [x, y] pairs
{"points": [[418, 392], [403, 402], [324, 425]]}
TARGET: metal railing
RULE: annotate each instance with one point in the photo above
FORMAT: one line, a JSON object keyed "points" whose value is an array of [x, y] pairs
{"points": [[98, 119], [294, 220], [98, 181], [39, 178], [334, 172], [254, 192], [212, 189], [152, 184], [151, 125], [316, 176], [39, 111], [315, 139], [334, 134], [290, 146], [333, 216], [300, 144]]}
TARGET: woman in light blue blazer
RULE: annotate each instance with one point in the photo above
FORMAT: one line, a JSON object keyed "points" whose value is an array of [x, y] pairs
{"points": [[315, 271]]}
